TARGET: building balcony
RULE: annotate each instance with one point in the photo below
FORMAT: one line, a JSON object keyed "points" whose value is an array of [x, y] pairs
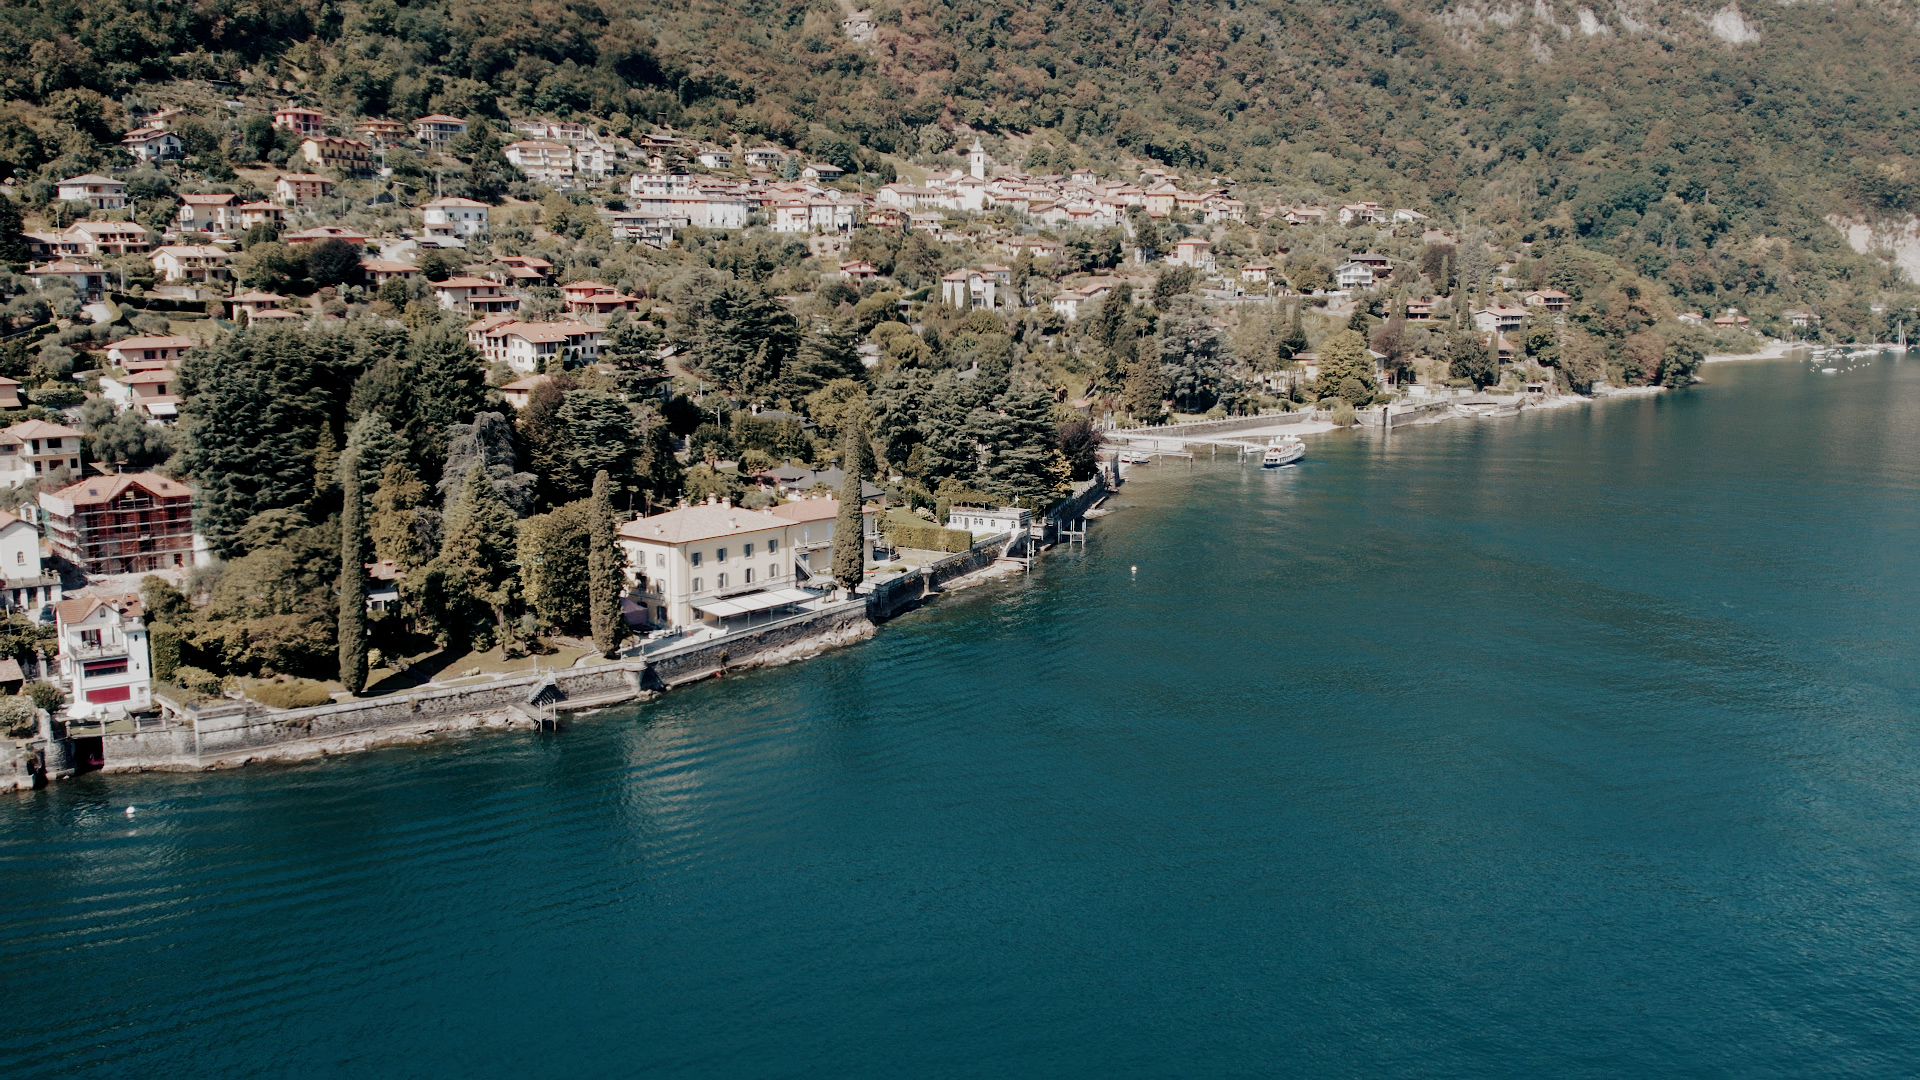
{"points": [[102, 651]]}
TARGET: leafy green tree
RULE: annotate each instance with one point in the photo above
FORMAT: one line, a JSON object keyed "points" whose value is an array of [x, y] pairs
{"points": [[1679, 363], [435, 265], [488, 170], [13, 245], [1173, 282], [393, 526], [333, 261], [555, 553], [1192, 354], [599, 429], [1146, 389], [452, 384], [605, 575], [1079, 444], [826, 353], [352, 623], [1467, 358], [1346, 368], [705, 481], [1296, 336], [1019, 462], [255, 406], [657, 473], [849, 545], [633, 348], [270, 266], [474, 579], [258, 137], [742, 338], [126, 438], [372, 444]]}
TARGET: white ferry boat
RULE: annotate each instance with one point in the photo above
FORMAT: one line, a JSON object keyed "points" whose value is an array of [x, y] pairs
{"points": [[1283, 450]]}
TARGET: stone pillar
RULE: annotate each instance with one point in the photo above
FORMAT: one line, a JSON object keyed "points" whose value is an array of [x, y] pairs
{"points": [[57, 747]]}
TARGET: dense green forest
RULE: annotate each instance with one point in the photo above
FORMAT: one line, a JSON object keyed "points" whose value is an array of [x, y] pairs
{"points": [[1703, 149]]}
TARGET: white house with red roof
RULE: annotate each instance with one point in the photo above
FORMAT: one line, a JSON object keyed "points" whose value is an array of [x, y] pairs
{"points": [[473, 294], [454, 218], [28, 586], [300, 121], [204, 263], [301, 189], [208, 213], [103, 660], [34, 448], [438, 129], [149, 351], [152, 143]]}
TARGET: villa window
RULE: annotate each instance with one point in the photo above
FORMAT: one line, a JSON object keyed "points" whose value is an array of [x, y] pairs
{"points": [[660, 559], [20, 557], [720, 581], [749, 578], [773, 545], [90, 639], [720, 555], [696, 561], [696, 584], [746, 551]]}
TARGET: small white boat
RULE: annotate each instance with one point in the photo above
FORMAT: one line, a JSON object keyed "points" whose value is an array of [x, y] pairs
{"points": [[1828, 370], [1283, 450], [1134, 458]]}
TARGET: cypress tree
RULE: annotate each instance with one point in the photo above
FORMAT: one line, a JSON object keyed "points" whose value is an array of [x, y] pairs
{"points": [[13, 244], [849, 560], [604, 576], [353, 582]]}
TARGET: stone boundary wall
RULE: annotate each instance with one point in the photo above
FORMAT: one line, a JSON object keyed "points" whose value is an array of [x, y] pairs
{"points": [[775, 643], [905, 591], [228, 730], [1074, 508]]}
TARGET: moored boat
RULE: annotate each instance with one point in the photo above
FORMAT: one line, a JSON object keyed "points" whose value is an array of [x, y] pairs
{"points": [[1283, 450]]}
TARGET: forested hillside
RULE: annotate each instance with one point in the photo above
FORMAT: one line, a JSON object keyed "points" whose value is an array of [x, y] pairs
{"points": [[1687, 141]]}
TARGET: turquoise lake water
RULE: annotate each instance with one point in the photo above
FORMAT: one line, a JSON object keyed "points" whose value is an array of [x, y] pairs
{"points": [[1576, 744]]}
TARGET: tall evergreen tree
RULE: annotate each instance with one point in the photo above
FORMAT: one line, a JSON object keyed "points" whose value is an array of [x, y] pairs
{"points": [[598, 430], [826, 353], [849, 554], [1019, 462], [604, 574], [392, 525], [474, 577], [451, 383], [371, 444], [13, 245], [555, 550], [353, 581], [255, 406], [633, 348]]}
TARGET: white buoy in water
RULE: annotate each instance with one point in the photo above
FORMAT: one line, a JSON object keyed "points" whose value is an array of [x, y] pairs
{"points": [[129, 811]]}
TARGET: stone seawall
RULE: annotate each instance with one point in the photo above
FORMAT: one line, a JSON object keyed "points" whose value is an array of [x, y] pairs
{"points": [[227, 732], [777, 643], [906, 591]]}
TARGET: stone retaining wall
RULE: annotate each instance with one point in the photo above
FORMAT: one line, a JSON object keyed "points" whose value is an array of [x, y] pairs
{"points": [[776, 643], [905, 591]]}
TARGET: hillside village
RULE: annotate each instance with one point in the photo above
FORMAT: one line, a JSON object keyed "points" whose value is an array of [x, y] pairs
{"points": [[545, 338]]}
